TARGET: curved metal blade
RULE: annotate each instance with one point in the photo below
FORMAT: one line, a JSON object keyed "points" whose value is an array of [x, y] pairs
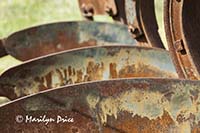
{"points": [[50, 38], [128, 105], [86, 64]]}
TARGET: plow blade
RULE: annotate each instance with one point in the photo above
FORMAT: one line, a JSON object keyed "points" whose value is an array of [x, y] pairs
{"points": [[50, 38], [126, 105], [83, 65]]}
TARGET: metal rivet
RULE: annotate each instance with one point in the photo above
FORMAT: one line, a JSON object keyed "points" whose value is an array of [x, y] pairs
{"points": [[178, 45], [87, 10]]}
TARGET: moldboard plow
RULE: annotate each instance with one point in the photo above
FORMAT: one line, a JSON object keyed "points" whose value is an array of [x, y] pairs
{"points": [[88, 76]]}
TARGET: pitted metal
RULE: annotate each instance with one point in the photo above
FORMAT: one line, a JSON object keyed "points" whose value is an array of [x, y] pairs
{"points": [[182, 33], [126, 105], [83, 65], [50, 38], [139, 15]]}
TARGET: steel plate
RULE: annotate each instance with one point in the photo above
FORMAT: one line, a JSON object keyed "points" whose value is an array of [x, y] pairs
{"points": [[86, 64], [50, 38], [124, 106]]}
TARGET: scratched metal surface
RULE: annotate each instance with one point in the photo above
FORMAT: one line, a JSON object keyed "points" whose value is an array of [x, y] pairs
{"points": [[85, 64], [126, 105], [50, 38]]}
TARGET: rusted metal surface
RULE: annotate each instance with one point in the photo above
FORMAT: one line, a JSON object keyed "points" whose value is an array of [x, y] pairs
{"points": [[50, 38], [133, 18], [139, 15], [182, 30], [124, 106], [89, 64], [97, 7], [149, 23], [113, 8]]}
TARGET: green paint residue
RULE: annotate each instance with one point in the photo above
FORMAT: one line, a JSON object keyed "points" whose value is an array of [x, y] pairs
{"points": [[152, 104]]}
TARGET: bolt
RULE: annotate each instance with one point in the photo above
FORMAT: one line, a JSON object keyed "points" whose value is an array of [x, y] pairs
{"points": [[134, 30], [87, 10], [179, 46], [109, 10]]}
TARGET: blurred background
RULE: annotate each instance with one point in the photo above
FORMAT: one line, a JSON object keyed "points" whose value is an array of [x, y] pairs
{"points": [[19, 14]]}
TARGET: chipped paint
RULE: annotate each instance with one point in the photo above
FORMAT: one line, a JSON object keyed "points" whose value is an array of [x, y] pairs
{"points": [[152, 104], [92, 100], [144, 104]]}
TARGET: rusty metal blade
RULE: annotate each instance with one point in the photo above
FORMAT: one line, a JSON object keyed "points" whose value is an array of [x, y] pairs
{"points": [[126, 105], [50, 38], [86, 64]]}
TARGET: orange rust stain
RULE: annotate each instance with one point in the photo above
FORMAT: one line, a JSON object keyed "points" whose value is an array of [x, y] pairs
{"points": [[196, 130], [138, 124], [65, 74], [142, 70], [70, 41], [79, 76], [70, 70], [48, 78], [113, 70], [41, 86], [188, 67], [95, 71]]}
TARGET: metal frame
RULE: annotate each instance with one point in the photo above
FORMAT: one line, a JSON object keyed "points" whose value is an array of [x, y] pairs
{"points": [[181, 25]]}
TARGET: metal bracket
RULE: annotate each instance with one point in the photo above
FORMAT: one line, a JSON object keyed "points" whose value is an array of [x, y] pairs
{"points": [[97, 7]]}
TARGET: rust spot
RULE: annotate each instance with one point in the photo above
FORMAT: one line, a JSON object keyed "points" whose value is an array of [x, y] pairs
{"points": [[48, 78], [123, 104], [95, 70], [70, 70], [41, 85], [53, 71], [141, 70], [79, 76], [113, 70]]}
